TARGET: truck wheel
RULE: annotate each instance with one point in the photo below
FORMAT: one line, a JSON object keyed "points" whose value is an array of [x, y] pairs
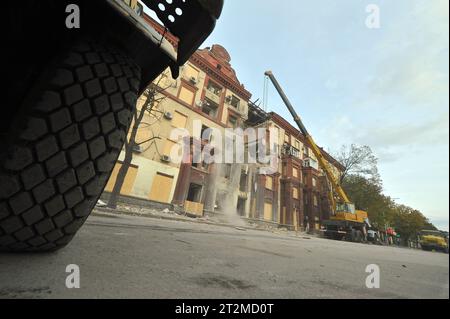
{"points": [[359, 236], [353, 236], [63, 143]]}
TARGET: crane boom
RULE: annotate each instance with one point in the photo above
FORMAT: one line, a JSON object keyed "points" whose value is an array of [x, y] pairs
{"points": [[316, 150]]}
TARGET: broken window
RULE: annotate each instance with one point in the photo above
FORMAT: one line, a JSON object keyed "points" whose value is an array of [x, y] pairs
{"points": [[205, 133], [214, 88], [194, 193], [210, 108], [235, 102], [241, 206]]}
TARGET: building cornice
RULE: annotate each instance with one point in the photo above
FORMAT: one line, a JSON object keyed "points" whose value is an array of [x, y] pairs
{"points": [[215, 74]]}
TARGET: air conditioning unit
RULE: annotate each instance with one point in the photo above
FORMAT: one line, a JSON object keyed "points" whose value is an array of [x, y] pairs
{"points": [[165, 158], [193, 80], [138, 149], [168, 116]]}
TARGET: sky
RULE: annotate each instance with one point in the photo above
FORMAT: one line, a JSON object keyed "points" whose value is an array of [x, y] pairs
{"points": [[386, 88]]}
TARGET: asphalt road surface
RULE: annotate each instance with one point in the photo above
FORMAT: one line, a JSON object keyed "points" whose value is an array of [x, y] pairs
{"points": [[137, 257]]}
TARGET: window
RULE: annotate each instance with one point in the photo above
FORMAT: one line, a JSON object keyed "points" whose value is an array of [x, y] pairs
{"points": [[161, 188], [186, 95], [295, 193], [316, 202], [232, 121], [305, 152], [297, 144], [295, 172], [235, 102], [194, 193], [268, 211], [210, 108], [314, 182], [179, 120], [269, 182], [286, 138], [205, 133], [214, 88]]}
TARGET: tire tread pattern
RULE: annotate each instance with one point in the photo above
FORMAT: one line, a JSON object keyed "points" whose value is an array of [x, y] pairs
{"points": [[56, 169]]}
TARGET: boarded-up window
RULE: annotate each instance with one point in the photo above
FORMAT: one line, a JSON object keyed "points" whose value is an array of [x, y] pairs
{"points": [[269, 182], [191, 72], [267, 211], [179, 120], [295, 193], [286, 138], [161, 188], [168, 147], [295, 172], [128, 182], [186, 95]]}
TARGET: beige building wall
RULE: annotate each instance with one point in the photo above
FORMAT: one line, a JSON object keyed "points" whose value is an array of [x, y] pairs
{"points": [[155, 140]]}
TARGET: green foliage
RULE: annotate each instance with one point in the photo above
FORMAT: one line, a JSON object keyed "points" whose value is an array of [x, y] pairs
{"points": [[364, 187], [368, 195]]}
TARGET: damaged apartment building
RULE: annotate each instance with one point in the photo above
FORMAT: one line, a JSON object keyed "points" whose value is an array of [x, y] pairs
{"points": [[208, 91]]}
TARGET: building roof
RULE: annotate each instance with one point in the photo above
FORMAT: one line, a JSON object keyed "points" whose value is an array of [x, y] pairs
{"points": [[216, 62]]}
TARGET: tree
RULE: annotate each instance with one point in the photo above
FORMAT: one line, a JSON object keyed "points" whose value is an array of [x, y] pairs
{"points": [[363, 185], [153, 98], [358, 160], [408, 222]]}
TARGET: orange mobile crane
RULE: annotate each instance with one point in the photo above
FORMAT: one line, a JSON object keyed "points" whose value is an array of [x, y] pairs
{"points": [[345, 222]]}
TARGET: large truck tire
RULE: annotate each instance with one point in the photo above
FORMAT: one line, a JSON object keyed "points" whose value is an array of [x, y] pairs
{"points": [[64, 140]]}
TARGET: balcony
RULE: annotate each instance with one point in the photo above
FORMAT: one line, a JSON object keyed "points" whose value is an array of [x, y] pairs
{"points": [[289, 150], [309, 162], [209, 94]]}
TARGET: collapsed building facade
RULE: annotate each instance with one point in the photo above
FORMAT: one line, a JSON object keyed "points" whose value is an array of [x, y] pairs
{"points": [[208, 97]]}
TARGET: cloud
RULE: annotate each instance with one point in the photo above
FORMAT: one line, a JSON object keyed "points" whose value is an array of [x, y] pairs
{"points": [[415, 63], [406, 134]]}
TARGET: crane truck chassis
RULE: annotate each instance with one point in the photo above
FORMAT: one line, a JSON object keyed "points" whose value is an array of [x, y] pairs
{"points": [[71, 94], [344, 230]]}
